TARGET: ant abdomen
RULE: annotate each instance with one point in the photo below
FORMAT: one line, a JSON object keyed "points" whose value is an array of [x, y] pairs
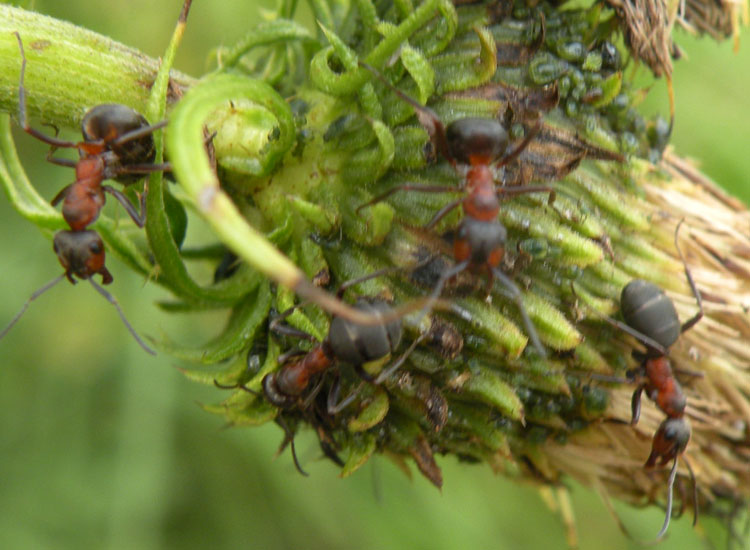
{"points": [[648, 310], [110, 121], [360, 344]]}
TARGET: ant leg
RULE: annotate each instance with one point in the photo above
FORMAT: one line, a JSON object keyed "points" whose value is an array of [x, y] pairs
{"points": [[525, 189], [138, 133], [111, 299], [410, 187], [335, 408], [384, 375], [444, 211], [539, 40], [145, 168], [427, 117], [516, 296], [313, 394], [330, 453], [68, 163], [22, 107], [375, 274], [278, 327], [435, 294], [635, 404], [33, 297], [61, 195], [514, 153], [285, 330], [695, 489], [138, 218], [687, 325], [284, 357]]}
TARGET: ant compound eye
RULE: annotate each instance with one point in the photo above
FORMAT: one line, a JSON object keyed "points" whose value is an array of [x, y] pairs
{"points": [[96, 247]]}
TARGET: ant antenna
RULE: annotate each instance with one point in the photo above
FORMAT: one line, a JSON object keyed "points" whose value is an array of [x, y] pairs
{"points": [[687, 325], [111, 299], [289, 438], [33, 297], [236, 386], [668, 515], [426, 116]]}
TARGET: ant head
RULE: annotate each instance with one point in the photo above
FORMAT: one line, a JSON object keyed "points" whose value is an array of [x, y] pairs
{"points": [[81, 253], [647, 310], [670, 441], [360, 344], [476, 139]]}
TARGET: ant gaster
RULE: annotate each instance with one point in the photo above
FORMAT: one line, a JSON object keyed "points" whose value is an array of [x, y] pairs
{"points": [[651, 318], [117, 144], [81, 253], [482, 145]]}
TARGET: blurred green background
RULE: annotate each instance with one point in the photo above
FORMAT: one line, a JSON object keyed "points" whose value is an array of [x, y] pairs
{"points": [[104, 446]]}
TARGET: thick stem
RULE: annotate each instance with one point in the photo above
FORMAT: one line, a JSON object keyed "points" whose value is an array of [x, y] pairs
{"points": [[71, 69]]}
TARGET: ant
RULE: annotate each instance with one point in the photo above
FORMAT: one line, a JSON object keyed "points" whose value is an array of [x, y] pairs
{"points": [[367, 348], [311, 412], [117, 144], [81, 253], [651, 318], [482, 145]]}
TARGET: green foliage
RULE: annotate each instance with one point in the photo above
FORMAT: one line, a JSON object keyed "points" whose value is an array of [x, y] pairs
{"points": [[215, 471]]}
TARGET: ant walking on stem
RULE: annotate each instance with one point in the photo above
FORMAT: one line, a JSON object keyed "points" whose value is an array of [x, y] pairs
{"points": [[483, 146], [117, 144]]}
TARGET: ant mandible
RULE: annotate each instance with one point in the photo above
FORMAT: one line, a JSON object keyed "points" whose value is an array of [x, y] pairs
{"points": [[81, 253], [117, 144], [482, 145], [651, 318]]}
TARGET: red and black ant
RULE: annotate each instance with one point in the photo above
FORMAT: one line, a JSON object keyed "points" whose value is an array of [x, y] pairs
{"points": [[483, 146], [81, 253], [367, 348], [651, 318], [117, 144]]}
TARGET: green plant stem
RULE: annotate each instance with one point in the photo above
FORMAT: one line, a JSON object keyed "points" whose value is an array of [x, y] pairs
{"points": [[70, 69]]}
